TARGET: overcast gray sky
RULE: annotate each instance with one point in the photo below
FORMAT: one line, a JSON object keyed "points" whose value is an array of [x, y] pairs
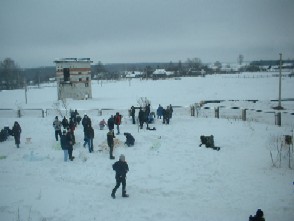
{"points": [[35, 32]]}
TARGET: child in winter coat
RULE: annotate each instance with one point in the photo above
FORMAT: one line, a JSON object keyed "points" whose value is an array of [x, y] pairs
{"points": [[102, 124]]}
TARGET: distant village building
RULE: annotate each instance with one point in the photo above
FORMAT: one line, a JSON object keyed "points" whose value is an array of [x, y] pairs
{"points": [[161, 74], [73, 76], [133, 74]]}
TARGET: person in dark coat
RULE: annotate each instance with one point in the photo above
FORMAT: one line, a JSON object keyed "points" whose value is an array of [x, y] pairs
{"points": [[141, 117], [133, 111], [121, 168], [70, 141], [89, 136], [63, 144], [171, 110], [72, 125], [130, 140], [110, 142], [166, 115], [86, 122], [16, 131], [64, 122], [110, 123]]}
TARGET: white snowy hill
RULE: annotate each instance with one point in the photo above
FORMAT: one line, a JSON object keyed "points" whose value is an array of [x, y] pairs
{"points": [[171, 178]]}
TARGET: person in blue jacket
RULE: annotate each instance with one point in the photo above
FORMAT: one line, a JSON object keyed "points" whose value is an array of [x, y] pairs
{"points": [[159, 111]]}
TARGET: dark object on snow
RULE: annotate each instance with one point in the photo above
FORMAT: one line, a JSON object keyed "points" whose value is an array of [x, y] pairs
{"points": [[258, 216], [288, 139], [208, 141], [4, 134], [148, 128], [130, 140]]}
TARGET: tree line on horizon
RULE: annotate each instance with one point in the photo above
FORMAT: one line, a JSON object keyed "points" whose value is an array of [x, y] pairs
{"points": [[14, 77]]}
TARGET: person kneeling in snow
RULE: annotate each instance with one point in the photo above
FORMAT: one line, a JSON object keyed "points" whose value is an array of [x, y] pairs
{"points": [[130, 139], [208, 141]]}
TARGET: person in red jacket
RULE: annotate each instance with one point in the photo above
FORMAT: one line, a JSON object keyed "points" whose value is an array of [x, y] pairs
{"points": [[117, 121]]}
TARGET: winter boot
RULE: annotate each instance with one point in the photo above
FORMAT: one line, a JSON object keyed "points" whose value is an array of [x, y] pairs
{"points": [[112, 157], [124, 194], [113, 194]]}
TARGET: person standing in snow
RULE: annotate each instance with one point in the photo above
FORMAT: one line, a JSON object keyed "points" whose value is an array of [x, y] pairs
{"points": [[110, 142], [133, 111], [57, 126], [141, 117], [159, 111], [117, 121], [70, 141], [86, 122], [16, 131], [89, 136], [72, 125], [64, 123], [171, 110], [121, 168], [63, 144], [110, 123]]}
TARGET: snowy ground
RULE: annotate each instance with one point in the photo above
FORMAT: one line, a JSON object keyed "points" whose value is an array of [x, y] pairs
{"points": [[170, 177]]}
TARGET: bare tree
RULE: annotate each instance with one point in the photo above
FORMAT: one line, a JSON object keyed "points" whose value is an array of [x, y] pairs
{"points": [[143, 102], [10, 73], [240, 59]]}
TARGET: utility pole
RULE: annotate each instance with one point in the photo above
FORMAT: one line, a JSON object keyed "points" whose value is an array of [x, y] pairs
{"points": [[280, 82], [279, 107], [26, 90]]}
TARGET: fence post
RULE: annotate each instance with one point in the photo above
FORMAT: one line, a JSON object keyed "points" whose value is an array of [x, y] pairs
{"points": [[278, 117], [244, 114], [192, 110], [216, 112], [18, 113], [43, 113]]}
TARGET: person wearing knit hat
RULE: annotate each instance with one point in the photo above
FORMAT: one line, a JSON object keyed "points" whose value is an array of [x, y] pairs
{"points": [[121, 168], [122, 158]]}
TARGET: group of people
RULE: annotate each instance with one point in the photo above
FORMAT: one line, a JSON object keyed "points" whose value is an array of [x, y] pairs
{"points": [[165, 114], [146, 116], [67, 138], [111, 122]]}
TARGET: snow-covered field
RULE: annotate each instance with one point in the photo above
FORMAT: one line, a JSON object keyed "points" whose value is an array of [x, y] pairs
{"points": [[170, 177]]}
